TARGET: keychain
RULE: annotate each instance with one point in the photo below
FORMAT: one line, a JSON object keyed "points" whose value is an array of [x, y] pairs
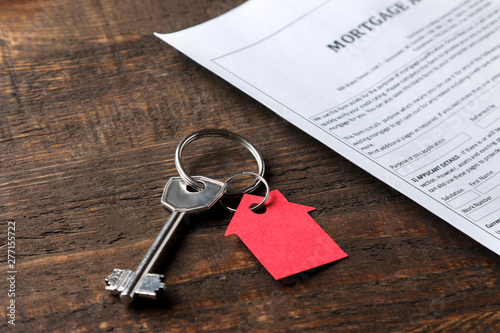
{"points": [[285, 239], [179, 197]]}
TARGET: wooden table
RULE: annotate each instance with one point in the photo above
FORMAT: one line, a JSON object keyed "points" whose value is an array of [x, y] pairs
{"points": [[92, 108]]}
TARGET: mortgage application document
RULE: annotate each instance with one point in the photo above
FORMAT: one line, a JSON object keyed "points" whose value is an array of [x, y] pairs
{"points": [[407, 90]]}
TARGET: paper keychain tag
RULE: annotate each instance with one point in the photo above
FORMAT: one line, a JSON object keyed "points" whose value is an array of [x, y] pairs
{"points": [[285, 239]]}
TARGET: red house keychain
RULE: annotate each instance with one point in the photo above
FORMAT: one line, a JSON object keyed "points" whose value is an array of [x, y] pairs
{"points": [[285, 238]]}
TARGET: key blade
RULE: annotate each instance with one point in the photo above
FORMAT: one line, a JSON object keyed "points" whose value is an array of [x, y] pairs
{"points": [[176, 195], [151, 257]]}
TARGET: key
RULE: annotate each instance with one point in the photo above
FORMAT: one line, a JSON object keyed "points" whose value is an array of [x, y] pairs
{"points": [[181, 200]]}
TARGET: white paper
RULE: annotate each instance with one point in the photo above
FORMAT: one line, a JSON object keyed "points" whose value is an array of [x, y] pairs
{"points": [[408, 90]]}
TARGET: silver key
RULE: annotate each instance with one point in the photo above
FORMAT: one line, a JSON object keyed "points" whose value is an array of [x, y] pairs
{"points": [[180, 200]]}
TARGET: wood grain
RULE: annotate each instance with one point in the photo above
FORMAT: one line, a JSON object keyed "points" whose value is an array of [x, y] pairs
{"points": [[92, 108]]}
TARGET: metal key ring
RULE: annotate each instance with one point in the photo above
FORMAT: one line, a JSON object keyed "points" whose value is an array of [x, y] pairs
{"points": [[258, 177], [213, 132]]}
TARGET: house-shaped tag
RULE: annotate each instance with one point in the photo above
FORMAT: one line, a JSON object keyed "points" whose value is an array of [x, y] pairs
{"points": [[285, 239]]}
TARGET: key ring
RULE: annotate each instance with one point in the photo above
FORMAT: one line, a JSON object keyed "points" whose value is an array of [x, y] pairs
{"points": [[213, 132], [258, 177]]}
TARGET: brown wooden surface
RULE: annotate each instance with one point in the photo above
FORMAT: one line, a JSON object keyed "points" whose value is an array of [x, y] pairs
{"points": [[92, 108]]}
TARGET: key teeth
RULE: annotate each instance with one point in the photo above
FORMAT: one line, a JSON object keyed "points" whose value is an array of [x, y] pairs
{"points": [[117, 280], [150, 287], [114, 277]]}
